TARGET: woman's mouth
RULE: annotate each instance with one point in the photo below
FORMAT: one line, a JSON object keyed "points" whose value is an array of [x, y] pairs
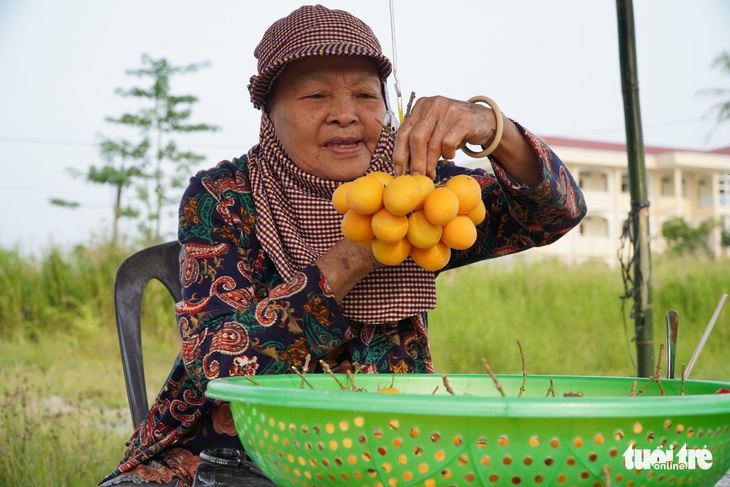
{"points": [[343, 146]]}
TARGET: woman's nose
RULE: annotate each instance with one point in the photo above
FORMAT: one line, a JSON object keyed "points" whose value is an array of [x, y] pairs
{"points": [[343, 111]]}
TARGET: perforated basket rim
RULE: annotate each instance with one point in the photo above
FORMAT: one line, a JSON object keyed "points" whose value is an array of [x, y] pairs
{"points": [[285, 391]]}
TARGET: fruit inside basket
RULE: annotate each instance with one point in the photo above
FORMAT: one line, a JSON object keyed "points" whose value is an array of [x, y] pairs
{"points": [[592, 432]]}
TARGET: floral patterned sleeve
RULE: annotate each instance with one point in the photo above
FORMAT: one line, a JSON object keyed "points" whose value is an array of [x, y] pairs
{"points": [[236, 316], [518, 217]]}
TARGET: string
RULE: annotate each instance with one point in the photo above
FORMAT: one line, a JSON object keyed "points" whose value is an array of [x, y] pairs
{"points": [[398, 94], [628, 258]]}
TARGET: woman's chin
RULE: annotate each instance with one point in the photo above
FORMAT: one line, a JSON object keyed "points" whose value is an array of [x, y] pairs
{"points": [[348, 172]]}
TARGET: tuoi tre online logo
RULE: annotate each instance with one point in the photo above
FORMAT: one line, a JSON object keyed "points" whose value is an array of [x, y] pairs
{"points": [[661, 459]]}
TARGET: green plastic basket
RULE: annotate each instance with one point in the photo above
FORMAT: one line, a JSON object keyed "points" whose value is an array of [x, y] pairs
{"points": [[327, 436]]}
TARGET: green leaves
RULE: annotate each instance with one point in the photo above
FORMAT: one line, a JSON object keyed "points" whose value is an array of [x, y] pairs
{"points": [[684, 239], [151, 164], [64, 203], [721, 109]]}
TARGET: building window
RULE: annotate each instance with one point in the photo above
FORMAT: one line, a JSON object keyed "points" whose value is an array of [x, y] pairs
{"points": [[593, 181], [667, 186], [594, 226], [704, 192], [724, 189], [624, 183]]}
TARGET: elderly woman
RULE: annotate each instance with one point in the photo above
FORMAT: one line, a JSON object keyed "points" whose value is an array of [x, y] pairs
{"points": [[267, 277]]}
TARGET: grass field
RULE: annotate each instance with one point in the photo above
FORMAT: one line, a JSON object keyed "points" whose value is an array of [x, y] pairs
{"points": [[64, 416], [569, 320]]}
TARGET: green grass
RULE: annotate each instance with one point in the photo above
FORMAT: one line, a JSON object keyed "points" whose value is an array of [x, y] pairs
{"points": [[569, 319], [65, 417], [63, 408]]}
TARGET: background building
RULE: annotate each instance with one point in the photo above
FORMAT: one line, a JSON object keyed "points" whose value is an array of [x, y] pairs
{"points": [[693, 185]]}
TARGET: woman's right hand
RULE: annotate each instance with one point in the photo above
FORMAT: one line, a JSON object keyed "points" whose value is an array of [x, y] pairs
{"points": [[344, 264]]}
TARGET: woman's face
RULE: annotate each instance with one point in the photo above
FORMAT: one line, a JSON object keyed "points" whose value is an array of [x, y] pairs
{"points": [[327, 112]]}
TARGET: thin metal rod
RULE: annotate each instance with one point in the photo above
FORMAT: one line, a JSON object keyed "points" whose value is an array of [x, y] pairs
{"points": [[705, 336], [672, 325], [398, 94]]}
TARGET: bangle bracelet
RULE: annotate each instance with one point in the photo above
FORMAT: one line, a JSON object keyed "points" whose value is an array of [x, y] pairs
{"points": [[497, 134]]}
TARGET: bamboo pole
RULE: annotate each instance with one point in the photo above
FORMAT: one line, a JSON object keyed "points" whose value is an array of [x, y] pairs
{"points": [[642, 309]]}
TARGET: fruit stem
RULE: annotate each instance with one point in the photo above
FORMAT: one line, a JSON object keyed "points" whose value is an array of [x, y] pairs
{"points": [[494, 378]]}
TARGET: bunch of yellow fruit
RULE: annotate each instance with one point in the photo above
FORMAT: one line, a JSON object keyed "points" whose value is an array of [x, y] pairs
{"points": [[409, 215]]}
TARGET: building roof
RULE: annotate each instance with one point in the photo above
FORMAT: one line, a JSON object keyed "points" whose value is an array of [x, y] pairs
{"points": [[722, 150], [620, 147]]}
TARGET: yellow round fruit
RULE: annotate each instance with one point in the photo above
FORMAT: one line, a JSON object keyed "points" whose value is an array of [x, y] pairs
{"points": [[421, 232], [478, 214], [365, 195], [389, 390], [389, 227], [402, 195], [467, 190], [391, 253], [356, 227], [441, 206], [338, 197], [426, 185], [381, 176], [460, 233], [433, 258]]}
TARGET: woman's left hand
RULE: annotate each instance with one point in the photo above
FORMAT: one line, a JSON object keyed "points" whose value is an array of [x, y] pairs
{"points": [[437, 126]]}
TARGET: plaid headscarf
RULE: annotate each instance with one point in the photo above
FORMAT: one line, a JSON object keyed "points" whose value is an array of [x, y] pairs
{"points": [[296, 222]]}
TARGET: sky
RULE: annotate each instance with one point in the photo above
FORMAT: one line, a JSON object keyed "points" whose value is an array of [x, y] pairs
{"points": [[552, 65]]}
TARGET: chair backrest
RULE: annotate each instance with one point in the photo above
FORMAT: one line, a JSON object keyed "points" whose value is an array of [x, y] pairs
{"points": [[159, 262]]}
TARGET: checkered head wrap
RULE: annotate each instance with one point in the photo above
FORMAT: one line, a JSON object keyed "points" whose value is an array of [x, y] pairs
{"points": [[296, 221], [311, 31]]}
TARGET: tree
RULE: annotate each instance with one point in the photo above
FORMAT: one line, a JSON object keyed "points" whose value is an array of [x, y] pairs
{"points": [[153, 165], [167, 114], [119, 177], [684, 239], [722, 109]]}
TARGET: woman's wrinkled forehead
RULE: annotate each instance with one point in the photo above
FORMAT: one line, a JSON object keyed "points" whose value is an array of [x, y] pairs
{"points": [[312, 31], [359, 70]]}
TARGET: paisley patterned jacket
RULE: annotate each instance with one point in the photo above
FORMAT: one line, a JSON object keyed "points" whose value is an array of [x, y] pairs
{"points": [[237, 317]]}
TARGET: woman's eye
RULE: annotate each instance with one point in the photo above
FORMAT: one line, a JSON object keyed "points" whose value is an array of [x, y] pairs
{"points": [[315, 95]]}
